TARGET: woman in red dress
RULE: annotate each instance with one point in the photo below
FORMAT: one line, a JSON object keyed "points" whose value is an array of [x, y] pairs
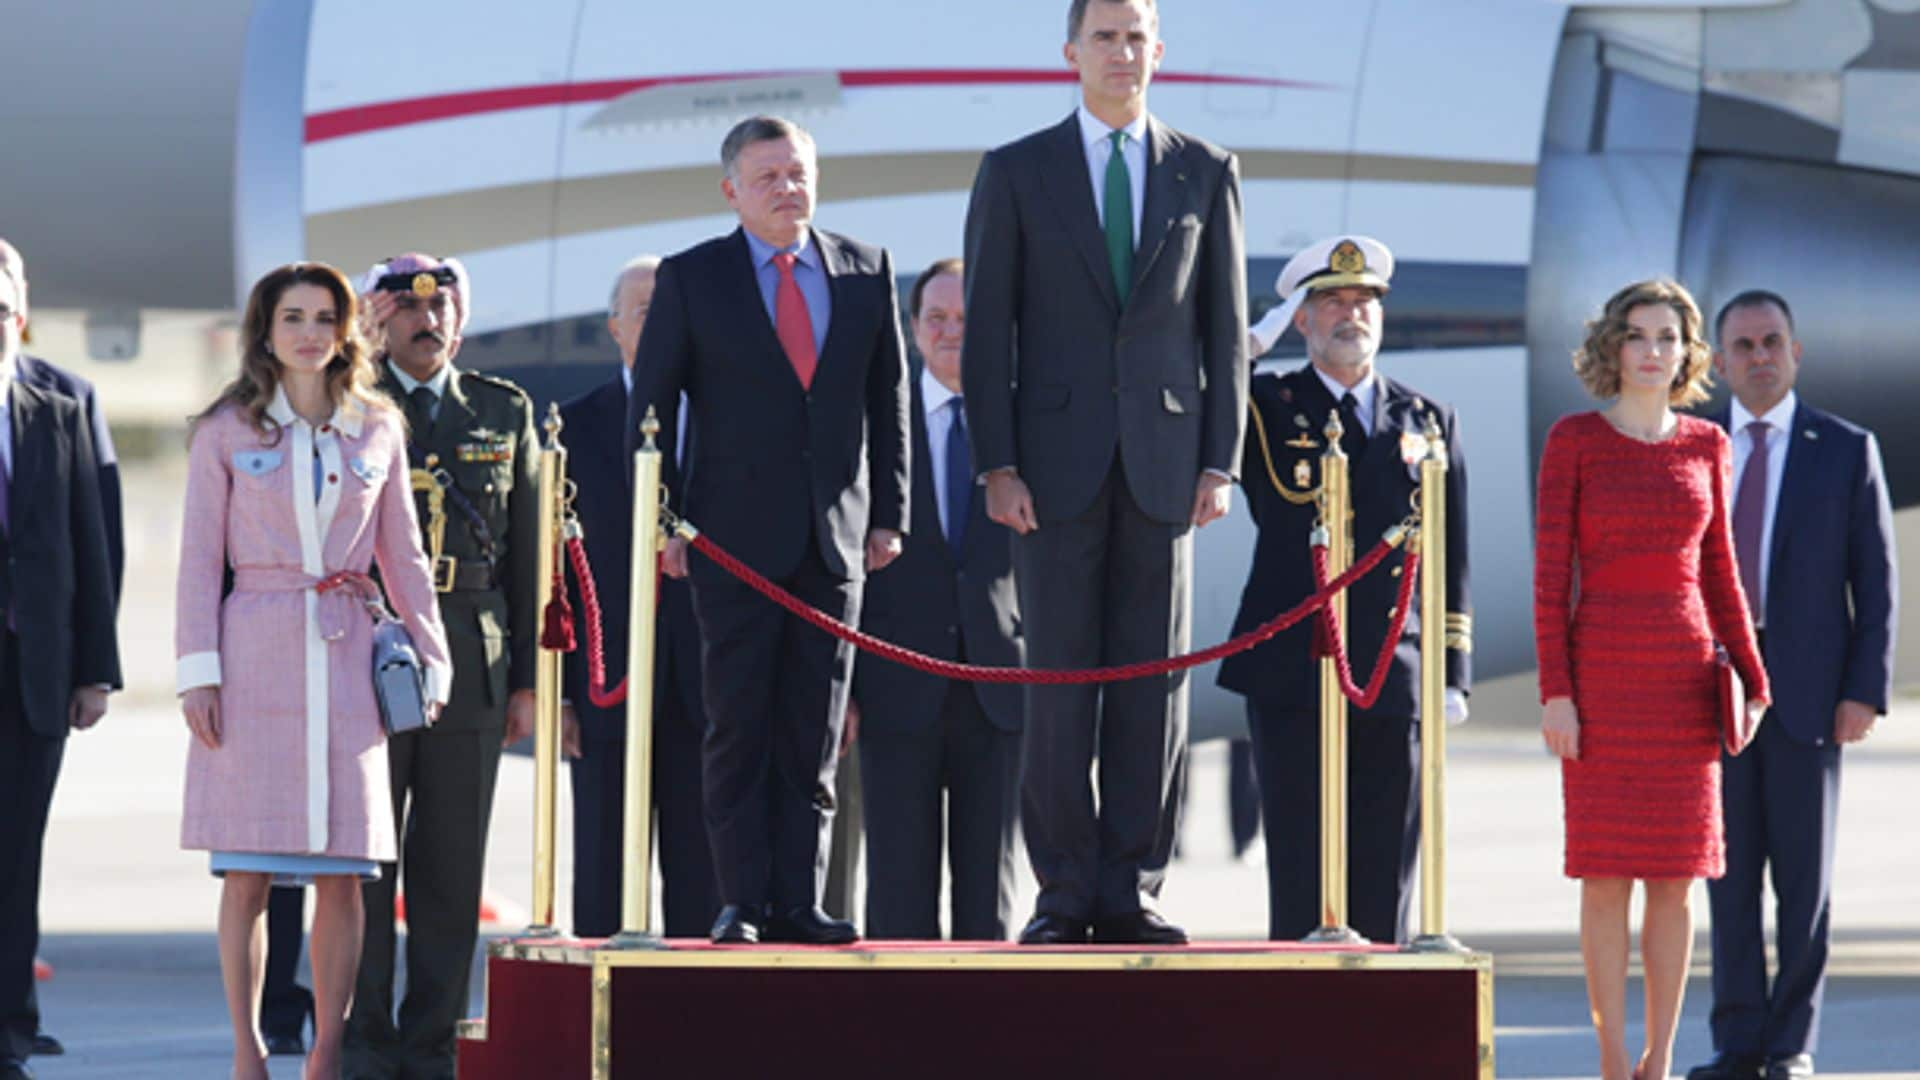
{"points": [[1634, 584]]}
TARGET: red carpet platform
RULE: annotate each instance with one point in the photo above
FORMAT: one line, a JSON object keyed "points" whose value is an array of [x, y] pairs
{"points": [[565, 1010]]}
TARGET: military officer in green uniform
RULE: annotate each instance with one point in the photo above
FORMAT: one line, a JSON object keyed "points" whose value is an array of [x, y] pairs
{"points": [[474, 458]]}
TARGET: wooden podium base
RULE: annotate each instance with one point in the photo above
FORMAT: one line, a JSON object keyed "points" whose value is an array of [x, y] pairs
{"points": [[907, 1009]]}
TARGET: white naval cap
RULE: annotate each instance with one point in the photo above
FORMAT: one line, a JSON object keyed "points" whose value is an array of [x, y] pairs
{"points": [[1337, 263], [1333, 263]]}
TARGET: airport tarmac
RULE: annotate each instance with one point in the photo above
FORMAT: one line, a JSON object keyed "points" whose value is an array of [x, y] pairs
{"points": [[128, 917]]}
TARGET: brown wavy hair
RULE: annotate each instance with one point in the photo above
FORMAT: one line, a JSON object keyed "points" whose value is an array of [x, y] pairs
{"points": [[350, 373], [1597, 360]]}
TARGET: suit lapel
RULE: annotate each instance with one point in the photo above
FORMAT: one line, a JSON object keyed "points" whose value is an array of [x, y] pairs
{"points": [[1795, 485], [745, 283], [833, 261], [27, 404], [1064, 174], [1165, 192]]}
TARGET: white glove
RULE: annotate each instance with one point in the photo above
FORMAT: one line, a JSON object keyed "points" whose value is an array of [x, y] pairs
{"points": [[1456, 707]]}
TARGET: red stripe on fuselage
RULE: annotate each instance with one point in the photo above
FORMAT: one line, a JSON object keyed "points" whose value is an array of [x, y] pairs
{"points": [[361, 119]]}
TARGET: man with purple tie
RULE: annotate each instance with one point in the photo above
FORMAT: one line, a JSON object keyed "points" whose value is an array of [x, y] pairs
{"points": [[1813, 532]]}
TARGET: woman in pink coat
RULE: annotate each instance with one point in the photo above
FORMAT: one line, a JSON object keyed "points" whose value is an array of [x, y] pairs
{"points": [[298, 471]]}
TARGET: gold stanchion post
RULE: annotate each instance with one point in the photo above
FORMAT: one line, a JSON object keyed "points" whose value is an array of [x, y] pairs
{"points": [[546, 687], [1336, 519], [1433, 697], [636, 870]]}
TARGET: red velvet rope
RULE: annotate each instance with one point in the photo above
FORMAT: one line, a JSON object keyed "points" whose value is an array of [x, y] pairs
{"points": [[596, 643], [1330, 631], [976, 673]]}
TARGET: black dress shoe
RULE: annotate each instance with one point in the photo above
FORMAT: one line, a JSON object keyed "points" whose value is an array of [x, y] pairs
{"points": [[1790, 1067], [45, 1045], [1726, 1066], [809, 926], [15, 1070], [734, 927], [1054, 930], [1137, 928]]}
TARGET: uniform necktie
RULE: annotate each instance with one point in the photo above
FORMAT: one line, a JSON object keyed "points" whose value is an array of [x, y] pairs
{"points": [[792, 322], [420, 402], [1749, 518], [1119, 218], [1353, 436], [959, 477]]}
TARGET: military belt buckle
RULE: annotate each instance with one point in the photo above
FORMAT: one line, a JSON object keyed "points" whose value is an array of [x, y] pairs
{"points": [[443, 573]]}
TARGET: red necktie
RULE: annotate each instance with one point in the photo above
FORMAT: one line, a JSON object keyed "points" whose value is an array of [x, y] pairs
{"points": [[1749, 519], [792, 322]]}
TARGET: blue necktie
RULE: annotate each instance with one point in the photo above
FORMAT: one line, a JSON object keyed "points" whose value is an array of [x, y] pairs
{"points": [[959, 477]]}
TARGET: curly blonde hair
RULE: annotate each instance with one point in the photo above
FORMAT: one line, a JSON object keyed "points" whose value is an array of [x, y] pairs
{"points": [[1597, 360], [351, 376]]}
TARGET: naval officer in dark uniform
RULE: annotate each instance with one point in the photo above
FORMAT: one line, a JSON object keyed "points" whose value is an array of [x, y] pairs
{"points": [[473, 450], [1344, 279]]}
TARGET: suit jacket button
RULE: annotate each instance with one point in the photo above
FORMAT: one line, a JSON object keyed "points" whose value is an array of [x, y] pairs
{"points": [[953, 631], [333, 478]]}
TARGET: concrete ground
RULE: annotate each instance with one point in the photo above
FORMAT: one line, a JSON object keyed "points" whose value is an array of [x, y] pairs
{"points": [[128, 917]]}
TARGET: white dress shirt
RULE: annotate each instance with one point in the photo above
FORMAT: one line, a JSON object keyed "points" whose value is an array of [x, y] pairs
{"points": [[935, 399], [1779, 420], [1095, 139], [1365, 393]]}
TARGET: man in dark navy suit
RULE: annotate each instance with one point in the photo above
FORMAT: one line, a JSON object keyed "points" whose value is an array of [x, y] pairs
{"points": [[785, 340], [940, 756], [58, 653], [1343, 280], [597, 462], [1813, 531]]}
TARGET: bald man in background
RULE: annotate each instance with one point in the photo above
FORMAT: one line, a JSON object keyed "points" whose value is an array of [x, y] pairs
{"points": [[594, 432]]}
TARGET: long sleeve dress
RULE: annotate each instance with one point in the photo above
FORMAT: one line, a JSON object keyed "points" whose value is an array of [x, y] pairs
{"points": [[302, 765], [1645, 529]]}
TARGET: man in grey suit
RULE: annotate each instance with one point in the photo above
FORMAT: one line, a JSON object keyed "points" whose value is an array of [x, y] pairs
{"points": [[941, 755], [1106, 381]]}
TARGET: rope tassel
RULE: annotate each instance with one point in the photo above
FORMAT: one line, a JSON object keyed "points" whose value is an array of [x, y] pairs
{"points": [[556, 631]]}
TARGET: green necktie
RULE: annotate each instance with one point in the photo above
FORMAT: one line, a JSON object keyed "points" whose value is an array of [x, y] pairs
{"points": [[1119, 219]]}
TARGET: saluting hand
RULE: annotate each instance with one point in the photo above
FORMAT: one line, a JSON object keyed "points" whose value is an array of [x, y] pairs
{"points": [[375, 309], [202, 708], [1009, 502], [1560, 726]]}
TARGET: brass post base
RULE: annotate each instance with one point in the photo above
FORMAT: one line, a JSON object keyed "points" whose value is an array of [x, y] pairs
{"points": [[1437, 943], [1335, 935], [540, 932], [634, 939]]}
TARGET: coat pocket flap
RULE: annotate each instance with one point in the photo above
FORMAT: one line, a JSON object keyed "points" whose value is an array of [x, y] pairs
{"points": [[257, 462], [1180, 399]]}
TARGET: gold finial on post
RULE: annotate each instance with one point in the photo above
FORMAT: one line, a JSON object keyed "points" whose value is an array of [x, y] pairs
{"points": [[552, 425], [650, 427], [1333, 431]]}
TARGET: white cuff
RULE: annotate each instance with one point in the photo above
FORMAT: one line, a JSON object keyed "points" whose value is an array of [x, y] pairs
{"points": [[1456, 707], [195, 670], [439, 684]]}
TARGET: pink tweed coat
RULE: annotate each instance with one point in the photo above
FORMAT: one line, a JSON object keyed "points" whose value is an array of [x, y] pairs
{"points": [[302, 765]]}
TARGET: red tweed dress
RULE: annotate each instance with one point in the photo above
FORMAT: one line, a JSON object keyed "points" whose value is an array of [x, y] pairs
{"points": [[1644, 528]]}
